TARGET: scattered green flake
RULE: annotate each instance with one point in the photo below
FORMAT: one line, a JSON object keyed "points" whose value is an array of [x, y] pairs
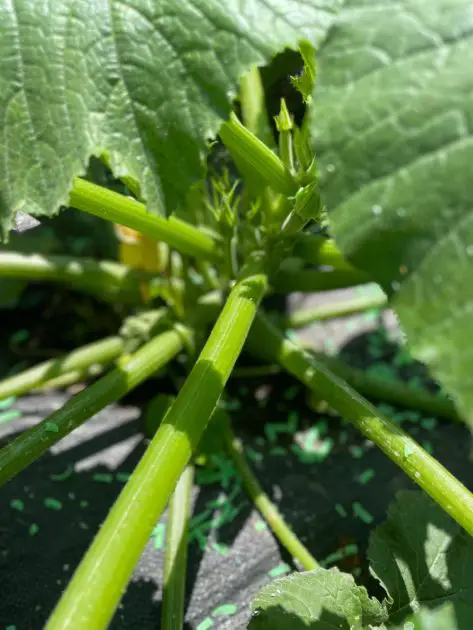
{"points": [[19, 336], [305, 458], [232, 404], [341, 510], [375, 352], [412, 416], [371, 315], [103, 477], [201, 538], [254, 455], [33, 529], [64, 475], [291, 392], [356, 571], [7, 402], [292, 421], [158, 535], [428, 423], [383, 371], [222, 519], [366, 476], [205, 624], [336, 556], [51, 427], [281, 569], [17, 504], [277, 451], [8, 416], [52, 504], [199, 519], [362, 513], [260, 441], [428, 446], [225, 610], [205, 477], [291, 335], [415, 382], [387, 410], [83, 525], [122, 476], [260, 526], [343, 437], [84, 504], [273, 429], [351, 550], [222, 549], [71, 496], [403, 358], [356, 451], [235, 511], [408, 449], [351, 325], [11, 627]]}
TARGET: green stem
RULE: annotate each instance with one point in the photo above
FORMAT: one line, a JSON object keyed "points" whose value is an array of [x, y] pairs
{"points": [[31, 444], [65, 380], [97, 586], [390, 391], [112, 206], [107, 280], [309, 280], [302, 318], [266, 507], [421, 467], [256, 156], [175, 563], [319, 250], [100, 352], [253, 107]]}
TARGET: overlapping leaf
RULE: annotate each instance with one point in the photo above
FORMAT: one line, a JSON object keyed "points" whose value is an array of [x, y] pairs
{"points": [[316, 599], [424, 561], [149, 81], [393, 125], [423, 558]]}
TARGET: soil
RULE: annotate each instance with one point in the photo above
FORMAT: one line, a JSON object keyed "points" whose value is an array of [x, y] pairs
{"points": [[51, 511]]}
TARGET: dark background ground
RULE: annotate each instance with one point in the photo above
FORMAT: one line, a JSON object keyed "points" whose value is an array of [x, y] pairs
{"points": [[42, 543]]}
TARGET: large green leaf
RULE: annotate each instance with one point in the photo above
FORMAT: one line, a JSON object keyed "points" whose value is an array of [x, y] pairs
{"points": [[320, 600], [150, 81], [423, 558], [393, 128]]}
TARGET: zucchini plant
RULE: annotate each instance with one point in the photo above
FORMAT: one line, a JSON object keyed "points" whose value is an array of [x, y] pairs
{"points": [[372, 186]]}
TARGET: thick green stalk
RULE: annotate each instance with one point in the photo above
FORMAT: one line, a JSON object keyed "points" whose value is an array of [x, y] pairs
{"points": [[422, 468], [253, 107], [105, 279], [266, 507], [31, 444], [390, 391], [100, 352], [310, 280], [319, 313], [65, 380], [112, 206], [256, 156], [97, 586], [175, 562], [319, 250]]}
